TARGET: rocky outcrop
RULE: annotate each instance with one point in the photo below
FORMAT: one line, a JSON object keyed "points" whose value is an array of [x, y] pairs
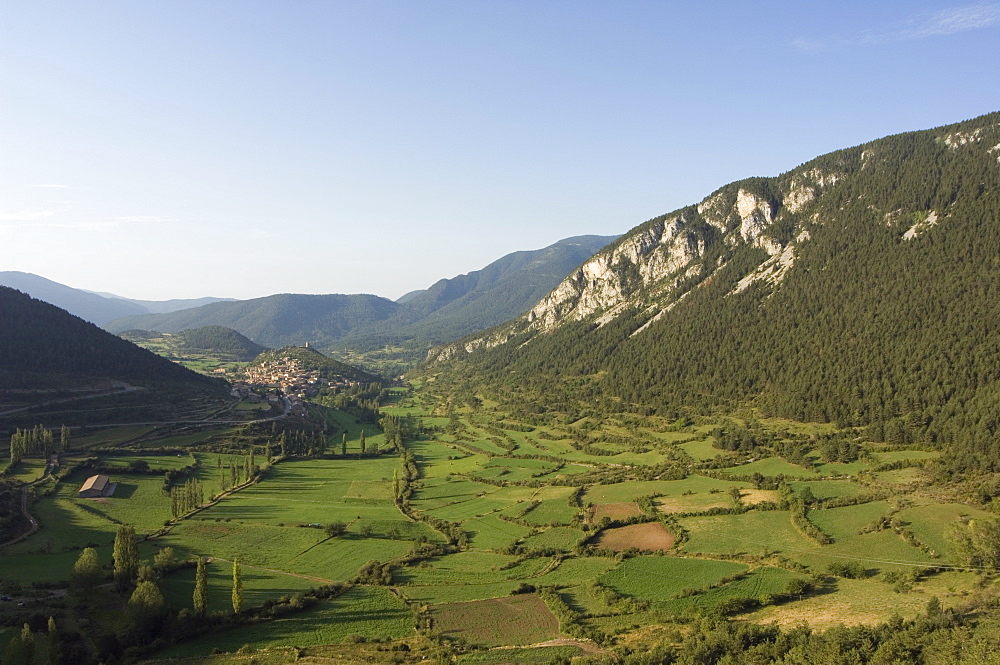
{"points": [[653, 267]]}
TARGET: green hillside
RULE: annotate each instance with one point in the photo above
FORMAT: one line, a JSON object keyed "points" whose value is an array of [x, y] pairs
{"points": [[364, 324], [218, 341], [859, 288]]}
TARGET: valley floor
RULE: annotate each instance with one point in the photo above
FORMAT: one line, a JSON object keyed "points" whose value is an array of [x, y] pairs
{"points": [[491, 539]]}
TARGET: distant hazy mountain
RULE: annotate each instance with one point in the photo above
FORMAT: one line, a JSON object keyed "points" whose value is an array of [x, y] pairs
{"points": [[91, 306], [167, 306], [446, 310], [88, 306], [276, 321], [511, 285]]}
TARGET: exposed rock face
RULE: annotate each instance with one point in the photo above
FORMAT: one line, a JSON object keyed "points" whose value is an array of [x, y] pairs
{"points": [[657, 264]]}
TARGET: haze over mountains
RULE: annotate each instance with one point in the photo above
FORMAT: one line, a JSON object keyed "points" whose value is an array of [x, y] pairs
{"points": [[448, 309], [98, 308]]}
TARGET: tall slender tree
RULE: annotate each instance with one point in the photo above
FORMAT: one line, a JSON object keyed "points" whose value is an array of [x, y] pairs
{"points": [[200, 588], [28, 640], [126, 557], [237, 588], [55, 644]]}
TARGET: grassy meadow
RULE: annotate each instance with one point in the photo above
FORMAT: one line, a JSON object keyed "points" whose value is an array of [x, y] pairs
{"points": [[514, 533]]}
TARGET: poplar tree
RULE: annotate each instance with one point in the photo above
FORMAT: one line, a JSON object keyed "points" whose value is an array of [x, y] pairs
{"points": [[362, 442], [28, 640], [64, 442], [237, 588], [55, 651], [343, 444], [126, 556], [200, 588]]}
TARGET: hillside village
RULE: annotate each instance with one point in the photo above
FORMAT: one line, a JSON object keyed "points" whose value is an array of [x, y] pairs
{"points": [[289, 375]]}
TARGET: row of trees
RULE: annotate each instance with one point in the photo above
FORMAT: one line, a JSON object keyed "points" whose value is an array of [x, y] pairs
{"points": [[187, 497], [37, 442], [24, 647]]}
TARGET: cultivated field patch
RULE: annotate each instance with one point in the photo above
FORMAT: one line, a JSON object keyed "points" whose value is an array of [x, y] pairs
{"points": [[854, 603], [694, 503], [664, 577], [558, 537], [770, 467], [614, 511], [370, 612], [750, 533], [828, 489], [649, 536], [515, 620], [751, 497], [701, 450], [492, 533]]}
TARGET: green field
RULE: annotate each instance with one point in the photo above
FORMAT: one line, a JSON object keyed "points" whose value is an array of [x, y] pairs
{"points": [[519, 620], [560, 537], [663, 577], [491, 532], [370, 612], [502, 510], [750, 533]]}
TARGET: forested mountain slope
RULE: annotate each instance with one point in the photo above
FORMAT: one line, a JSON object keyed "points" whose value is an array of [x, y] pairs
{"points": [[447, 310], [455, 307], [39, 338], [862, 287]]}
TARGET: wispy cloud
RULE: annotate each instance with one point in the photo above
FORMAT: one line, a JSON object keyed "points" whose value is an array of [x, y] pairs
{"points": [[947, 21], [27, 215], [47, 219], [53, 186]]}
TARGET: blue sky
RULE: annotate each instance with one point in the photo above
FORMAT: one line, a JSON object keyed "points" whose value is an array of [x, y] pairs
{"points": [[176, 148]]}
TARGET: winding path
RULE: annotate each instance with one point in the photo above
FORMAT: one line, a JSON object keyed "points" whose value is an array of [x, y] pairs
{"points": [[53, 464]]}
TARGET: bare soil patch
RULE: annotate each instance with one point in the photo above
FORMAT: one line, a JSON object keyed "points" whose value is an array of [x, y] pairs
{"points": [[649, 536], [614, 511]]}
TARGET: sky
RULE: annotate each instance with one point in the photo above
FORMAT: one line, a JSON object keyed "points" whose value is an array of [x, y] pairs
{"points": [[178, 149]]}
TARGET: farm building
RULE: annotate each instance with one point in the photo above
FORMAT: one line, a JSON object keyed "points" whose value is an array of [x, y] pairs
{"points": [[97, 486]]}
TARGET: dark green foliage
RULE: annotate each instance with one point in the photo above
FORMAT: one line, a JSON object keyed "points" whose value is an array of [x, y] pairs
{"points": [[126, 556], [39, 337], [12, 520], [867, 329]]}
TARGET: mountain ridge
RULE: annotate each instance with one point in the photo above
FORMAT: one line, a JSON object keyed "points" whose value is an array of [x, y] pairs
{"points": [[450, 307], [855, 288]]}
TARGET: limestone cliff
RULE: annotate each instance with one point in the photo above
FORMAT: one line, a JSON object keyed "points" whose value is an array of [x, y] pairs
{"points": [[657, 264]]}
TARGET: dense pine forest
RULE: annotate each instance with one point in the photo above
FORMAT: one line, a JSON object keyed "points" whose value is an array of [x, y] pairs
{"points": [[886, 321], [39, 338]]}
